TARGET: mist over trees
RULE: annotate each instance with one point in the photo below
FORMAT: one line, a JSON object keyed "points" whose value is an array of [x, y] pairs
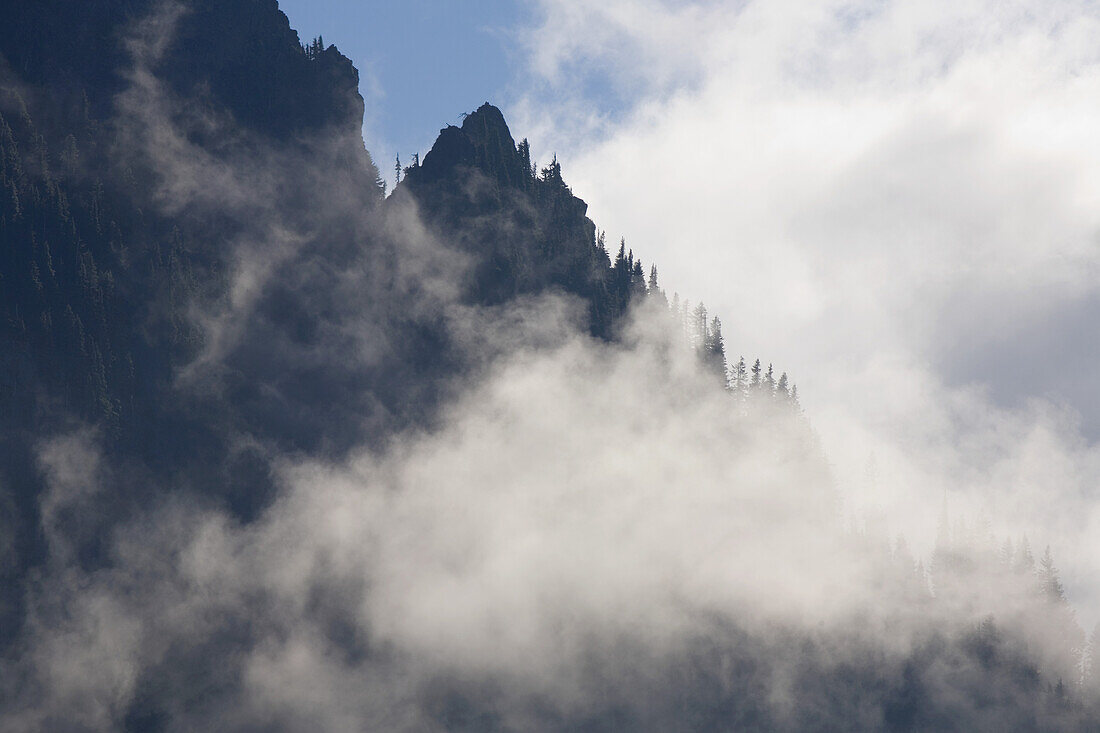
{"points": [[281, 451]]}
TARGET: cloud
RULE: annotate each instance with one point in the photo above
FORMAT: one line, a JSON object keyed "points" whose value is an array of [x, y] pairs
{"points": [[888, 200], [593, 530], [294, 287]]}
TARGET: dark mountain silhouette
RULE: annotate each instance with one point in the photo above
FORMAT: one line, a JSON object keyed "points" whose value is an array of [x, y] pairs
{"points": [[238, 56], [476, 183], [198, 266]]}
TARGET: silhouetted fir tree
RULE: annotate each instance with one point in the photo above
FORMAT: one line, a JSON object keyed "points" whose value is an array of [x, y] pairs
{"points": [[412, 167], [397, 170], [755, 384], [781, 390], [637, 280], [529, 168], [551, 174], [654, 289], [769, 382], [622, 273], [716, 351], [739, 384], [794, 398]]}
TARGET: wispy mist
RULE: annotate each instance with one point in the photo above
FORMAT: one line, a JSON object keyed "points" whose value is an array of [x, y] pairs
{"points": [[484, 518], [895, 200]]}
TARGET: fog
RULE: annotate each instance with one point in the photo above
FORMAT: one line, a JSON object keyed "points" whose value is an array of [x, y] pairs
{"points": [[587, 520], [891, 200], [586, 534]]}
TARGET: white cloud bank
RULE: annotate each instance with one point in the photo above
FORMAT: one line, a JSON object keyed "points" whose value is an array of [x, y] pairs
{"points": [[895, 201]]}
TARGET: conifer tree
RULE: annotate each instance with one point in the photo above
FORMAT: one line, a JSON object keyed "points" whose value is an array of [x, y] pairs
{"points": [[525, 158], [1049, 583], [740, 381], [380, 182], [715, 350], [781, 389], [637, 279], [699, 329], [397, 170], [654, 289], [755, 383], [552, 172], [1090, 661]]}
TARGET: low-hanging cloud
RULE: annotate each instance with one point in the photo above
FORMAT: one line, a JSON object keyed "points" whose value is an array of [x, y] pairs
{"points": [[587, 525], [896, 201]]}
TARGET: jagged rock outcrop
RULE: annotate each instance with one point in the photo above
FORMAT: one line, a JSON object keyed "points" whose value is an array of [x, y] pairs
{"points": [[524, 227]]}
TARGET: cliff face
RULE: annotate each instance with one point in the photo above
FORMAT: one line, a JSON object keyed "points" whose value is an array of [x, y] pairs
{"points": [[241, 54], [124, 248], [245, 52], [106, 259]]}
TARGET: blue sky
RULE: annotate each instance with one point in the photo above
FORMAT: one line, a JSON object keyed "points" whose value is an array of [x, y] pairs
{"points": [[421, 62]]}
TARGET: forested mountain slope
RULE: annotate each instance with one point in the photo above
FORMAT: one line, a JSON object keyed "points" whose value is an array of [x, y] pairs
{"points": [[155, 169], [281, 452]]}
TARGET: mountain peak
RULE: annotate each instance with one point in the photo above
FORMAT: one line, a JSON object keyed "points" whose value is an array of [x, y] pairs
{"points": [[484, 142], [487, 124]]}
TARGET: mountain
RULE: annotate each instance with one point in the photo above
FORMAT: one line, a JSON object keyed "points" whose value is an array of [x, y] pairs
{"points": [[281, 452], [151, 166], [117, 121]]}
